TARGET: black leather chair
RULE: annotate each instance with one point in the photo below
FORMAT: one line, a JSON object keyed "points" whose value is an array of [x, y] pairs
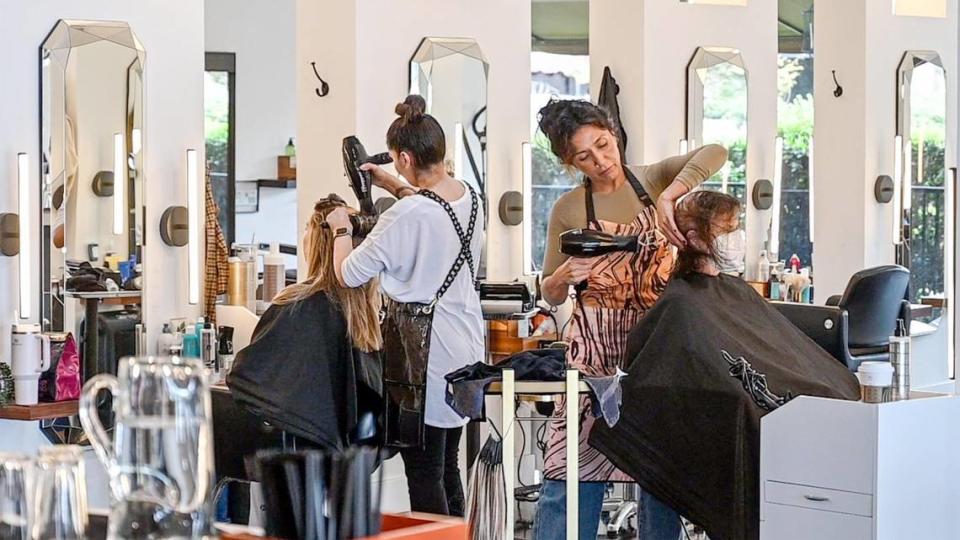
{"points": [[856, 326]]}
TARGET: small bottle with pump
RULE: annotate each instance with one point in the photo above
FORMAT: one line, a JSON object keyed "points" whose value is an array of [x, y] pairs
{"points": [[763, 267], [291, 151]]}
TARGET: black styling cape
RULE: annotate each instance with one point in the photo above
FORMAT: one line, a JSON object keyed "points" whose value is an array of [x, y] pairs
{"points": [[689, 431], [302, 374]]}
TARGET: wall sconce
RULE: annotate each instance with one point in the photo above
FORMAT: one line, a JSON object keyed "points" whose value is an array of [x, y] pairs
{"points": [[811, 195], [458, 151], [950, 250], [26, 244], [526, 203], [897, 189], [194, 209], [777, 188], [119, 182]]}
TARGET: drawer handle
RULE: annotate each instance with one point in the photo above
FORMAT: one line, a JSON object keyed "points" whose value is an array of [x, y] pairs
{"points": [[816, 498]]}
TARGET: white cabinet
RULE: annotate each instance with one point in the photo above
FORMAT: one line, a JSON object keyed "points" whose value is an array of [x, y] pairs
{"points": [[833, 469]]}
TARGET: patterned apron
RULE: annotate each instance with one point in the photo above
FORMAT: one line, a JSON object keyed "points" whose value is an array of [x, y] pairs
{"points": [[621, 288]]}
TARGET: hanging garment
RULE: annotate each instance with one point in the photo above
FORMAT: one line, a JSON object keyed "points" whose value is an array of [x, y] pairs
{"points": [[621, 288], [302, 374], [689, 430], [609, 90], [217, 268]]}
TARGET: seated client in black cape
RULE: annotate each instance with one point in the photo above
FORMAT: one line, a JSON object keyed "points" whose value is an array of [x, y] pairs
{"points": [[705, 364], [312, 367]]}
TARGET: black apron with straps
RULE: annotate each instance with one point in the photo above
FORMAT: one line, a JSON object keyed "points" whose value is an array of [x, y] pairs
{"points": [[634, 183], [407, 329]]}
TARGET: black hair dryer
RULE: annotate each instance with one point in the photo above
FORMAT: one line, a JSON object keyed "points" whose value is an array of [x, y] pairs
{"points": [[361, 182], [591, 243]]}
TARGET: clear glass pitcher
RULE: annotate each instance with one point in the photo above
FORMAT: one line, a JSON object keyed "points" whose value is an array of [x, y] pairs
{"points": [[160, 460]]}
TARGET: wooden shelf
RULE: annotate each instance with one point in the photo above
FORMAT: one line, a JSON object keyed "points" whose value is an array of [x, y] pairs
{"points": [[283, 184], [42, 411]]}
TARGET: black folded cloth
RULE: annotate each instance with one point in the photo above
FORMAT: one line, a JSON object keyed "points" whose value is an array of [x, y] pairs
{"points": [[705, 364], [466, 386]]}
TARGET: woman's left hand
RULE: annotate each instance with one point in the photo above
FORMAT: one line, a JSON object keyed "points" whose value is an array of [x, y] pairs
{"points": [[339, 218], [666, 204]]}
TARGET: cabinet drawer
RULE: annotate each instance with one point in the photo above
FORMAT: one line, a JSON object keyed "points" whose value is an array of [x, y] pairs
{"points": [[793, 523], [816, 498]]}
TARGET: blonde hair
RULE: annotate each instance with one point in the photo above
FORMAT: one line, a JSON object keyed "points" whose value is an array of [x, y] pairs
{"points": [[360, 306]]}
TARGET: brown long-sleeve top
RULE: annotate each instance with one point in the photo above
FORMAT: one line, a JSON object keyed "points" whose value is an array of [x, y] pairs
{"points": [[622, 205]]}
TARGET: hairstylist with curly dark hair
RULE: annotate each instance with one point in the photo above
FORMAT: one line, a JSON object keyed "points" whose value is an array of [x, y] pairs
{"points": [[623, 200], [424, 249]]}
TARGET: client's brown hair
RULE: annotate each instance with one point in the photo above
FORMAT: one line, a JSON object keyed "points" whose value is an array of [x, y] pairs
{"points": [[707, 214], [360, 306]]}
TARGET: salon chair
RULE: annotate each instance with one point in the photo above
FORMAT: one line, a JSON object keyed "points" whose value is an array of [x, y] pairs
{"points": [[856, 326]]}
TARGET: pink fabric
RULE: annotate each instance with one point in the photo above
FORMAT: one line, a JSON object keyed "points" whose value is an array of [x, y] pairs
{"points": [[68, 372]]}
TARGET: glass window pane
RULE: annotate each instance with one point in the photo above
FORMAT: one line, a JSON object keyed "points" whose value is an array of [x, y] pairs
{"points": [[216, 102], [560, 76], [795, 126]]}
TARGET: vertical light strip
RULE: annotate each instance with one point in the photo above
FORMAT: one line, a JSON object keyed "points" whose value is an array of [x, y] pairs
{"points": [[26, 240], [683, 147], [193, 211], [526, 174], [458, 151], [907, 186], [949, 246], [119, 183], [811, 195], [777, 186], [897, 188]]}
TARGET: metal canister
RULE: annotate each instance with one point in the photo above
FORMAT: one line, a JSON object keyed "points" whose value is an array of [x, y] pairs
{"points": [[900, 360], [237, 282]]}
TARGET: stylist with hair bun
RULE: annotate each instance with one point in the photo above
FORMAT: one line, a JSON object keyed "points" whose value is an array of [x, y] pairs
{"points": [[623, 200], [424, 250]]}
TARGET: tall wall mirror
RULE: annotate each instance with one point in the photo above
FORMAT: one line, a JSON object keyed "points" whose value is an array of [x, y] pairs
{"points": [[92, 198], [451, 75], [922, 126], [717, 114]]}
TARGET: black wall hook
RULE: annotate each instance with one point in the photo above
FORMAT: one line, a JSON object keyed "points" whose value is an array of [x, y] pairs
{"points": [[838, 91], [324, 87]]}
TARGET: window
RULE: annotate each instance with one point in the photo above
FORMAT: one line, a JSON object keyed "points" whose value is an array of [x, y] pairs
{"points": [[561, 76], [795, 128], [219, 131]]}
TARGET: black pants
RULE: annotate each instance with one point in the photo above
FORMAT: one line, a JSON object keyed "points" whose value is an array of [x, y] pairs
{"points": [[433, 473]]}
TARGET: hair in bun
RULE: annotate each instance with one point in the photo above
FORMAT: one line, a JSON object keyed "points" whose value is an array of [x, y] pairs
{"points": [[412, 110], [417, 133], [560, 119]]}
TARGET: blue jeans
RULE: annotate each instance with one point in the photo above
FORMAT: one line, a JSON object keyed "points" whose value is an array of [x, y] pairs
{"points": [[656, 521]]}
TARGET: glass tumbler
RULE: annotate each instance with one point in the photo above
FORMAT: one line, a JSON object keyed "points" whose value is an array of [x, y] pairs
{"points": [[14, 499], [60, 497]]}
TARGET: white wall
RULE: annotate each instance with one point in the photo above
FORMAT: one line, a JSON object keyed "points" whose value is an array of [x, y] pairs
{"points": [[362, 48], [649, 43], [172, 33], [262, 35]]}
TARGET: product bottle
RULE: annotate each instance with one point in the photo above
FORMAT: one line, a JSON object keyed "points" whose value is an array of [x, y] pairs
{"points": [[291, 151], [166, 341], [274, 277], [795, 263], [208, 346], [225, 356], [763, 267], [191, 343], [900, 360]]}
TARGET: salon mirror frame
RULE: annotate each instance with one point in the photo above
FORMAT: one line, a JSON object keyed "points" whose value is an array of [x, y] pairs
{"points": [[909, 62], [72, 70], [429, 55]]}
